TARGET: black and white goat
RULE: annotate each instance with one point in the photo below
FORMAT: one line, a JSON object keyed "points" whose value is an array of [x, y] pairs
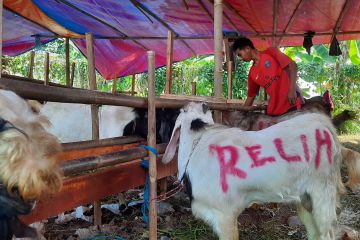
{"points": [[227, 169]]}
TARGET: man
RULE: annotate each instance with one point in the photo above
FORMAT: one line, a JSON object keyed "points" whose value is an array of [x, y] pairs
{"points": [[275, 72]]}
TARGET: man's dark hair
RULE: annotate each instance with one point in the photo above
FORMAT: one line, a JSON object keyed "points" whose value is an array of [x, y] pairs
{"points": [[241, 43]]}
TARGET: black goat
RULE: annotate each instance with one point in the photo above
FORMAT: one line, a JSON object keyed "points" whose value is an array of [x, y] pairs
{"points": [[165, 121]]}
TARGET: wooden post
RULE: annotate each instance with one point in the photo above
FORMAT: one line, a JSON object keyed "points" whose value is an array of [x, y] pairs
{"points": [[31, 66], [229, 78], [1, 10], [72, 74], [67, 62], [46, 69], [133, 84], [152, 143], [169, 60], [193, 88], [94, 109], [114, 85], [218, 40]]}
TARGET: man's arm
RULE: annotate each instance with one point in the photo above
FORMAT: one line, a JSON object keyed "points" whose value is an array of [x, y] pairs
{"points": [[293, 77], [249, 101]]}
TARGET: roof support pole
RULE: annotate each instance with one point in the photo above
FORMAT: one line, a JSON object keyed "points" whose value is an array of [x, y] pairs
{"points": [[1, 10], [67, 62], [46, 69], [133, 84], [275, 20], [114, 85], [218, 41], [152, 143], [31, 65], [72, 74], [169, 61], [94, 109]]}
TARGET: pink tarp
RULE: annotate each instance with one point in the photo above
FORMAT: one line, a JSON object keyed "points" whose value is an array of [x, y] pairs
{"points": [[153, 18]]}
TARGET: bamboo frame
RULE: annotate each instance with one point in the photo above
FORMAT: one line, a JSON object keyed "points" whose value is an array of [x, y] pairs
{"points": [[340, 18], [230, 78], [152, 143], [133, 84], [114, 85], [292, 18], [31, 65], [46, 69], [72, 75], [169, 61], [218, 41], [141, 7], [275, 20], [1, 31], [67, 62], [33, 90], [94, 109]]}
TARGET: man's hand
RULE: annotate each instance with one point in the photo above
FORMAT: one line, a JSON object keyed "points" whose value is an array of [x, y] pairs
{"points": [[292, 96]]}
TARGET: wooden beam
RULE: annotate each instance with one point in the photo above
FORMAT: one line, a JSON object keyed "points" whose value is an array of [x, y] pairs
{"points": [[114, 85], [218, 44], [152, 144], [101, 143], [343, 12], [72, 75], [202, 5], [133, 84], [162, 22], [229, 78], [88, 163], [1, 32], [228, 6], [193, 88], [99, 20], [292, 18], [80, 190], [36, 91], [67, 62], [94, 109], [275, 20], [46, 69], [169, 61], [31, 64]]}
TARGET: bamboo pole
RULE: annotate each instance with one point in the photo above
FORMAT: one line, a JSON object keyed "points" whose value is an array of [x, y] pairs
{"points": [[72, 75], [133, 84], [193, 88], [67, 62], [114, 85], [169, 61], [94, 109], [218, 40], [1, 38], [34, 89], [229, 78], [275, 20], [31, 65], [152, 143], [46, 69]]}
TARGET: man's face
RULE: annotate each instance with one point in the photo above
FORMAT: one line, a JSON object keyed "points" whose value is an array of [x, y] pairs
{"points": [[244, 54]]}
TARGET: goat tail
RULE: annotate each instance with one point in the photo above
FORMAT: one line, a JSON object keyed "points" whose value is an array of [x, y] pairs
{"points": [[351, 159]]}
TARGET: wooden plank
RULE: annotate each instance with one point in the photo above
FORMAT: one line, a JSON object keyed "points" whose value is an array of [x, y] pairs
{"points": [[36, 91], [31, 64], [94, 151], [84, 189], [67, 62], [114, 85], [72, 75], [230, 78], [133, 84], [193, 88], [194, 98], [152, 144], [46, 69], [169, 61]]}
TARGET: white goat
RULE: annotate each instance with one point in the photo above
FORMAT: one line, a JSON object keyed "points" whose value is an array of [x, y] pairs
{"points": [[227, 169]]}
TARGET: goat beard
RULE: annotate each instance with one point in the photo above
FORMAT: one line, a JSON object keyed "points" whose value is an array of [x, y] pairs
{"points": [[30, 165]]}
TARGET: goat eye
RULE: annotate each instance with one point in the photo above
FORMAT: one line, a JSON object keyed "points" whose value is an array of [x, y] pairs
{"points": [[2, 124]]}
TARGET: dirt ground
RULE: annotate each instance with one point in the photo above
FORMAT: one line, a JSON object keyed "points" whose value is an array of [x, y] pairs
{"points": [[266, 223]]}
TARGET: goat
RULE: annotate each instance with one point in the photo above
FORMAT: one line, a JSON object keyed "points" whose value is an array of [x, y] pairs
{"points": [[297, 160], [28, 166]]}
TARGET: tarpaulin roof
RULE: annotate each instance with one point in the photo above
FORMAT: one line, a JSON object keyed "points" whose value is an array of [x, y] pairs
{"points": [[126, 29]]}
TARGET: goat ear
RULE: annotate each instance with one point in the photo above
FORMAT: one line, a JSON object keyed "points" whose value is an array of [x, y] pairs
{"points": [[35, 105], [171, 147], [205, 108]]}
